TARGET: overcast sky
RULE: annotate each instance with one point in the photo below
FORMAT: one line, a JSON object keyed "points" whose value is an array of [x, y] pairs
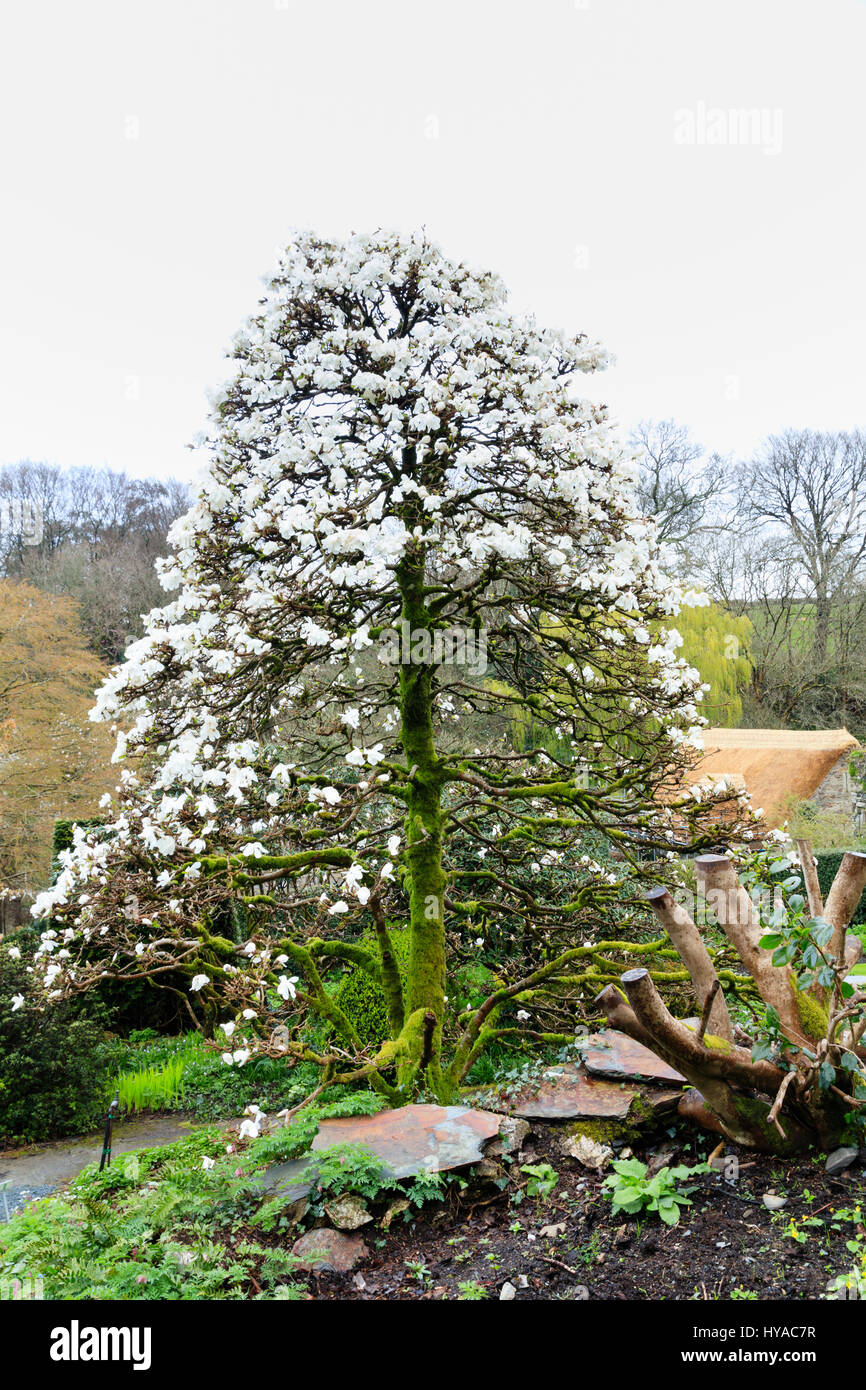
{"points": [[154, 156]]}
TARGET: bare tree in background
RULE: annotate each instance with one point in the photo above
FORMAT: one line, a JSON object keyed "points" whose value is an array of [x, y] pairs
{"points": [[679, 485], [101, 532], [809, 487], [752, 577]]}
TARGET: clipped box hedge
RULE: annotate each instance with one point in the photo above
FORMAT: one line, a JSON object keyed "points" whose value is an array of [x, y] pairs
{"points": [[828, 862]]}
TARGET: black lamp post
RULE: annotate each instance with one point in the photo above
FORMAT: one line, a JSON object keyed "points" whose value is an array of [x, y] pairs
{"points": [[113, 1112]]}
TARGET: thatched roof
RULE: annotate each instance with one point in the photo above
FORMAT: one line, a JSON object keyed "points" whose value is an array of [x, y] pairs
{"points": [[775, 765]]}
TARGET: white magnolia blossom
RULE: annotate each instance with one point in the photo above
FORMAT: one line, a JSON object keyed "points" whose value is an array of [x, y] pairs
{"points": [[360, 428]]}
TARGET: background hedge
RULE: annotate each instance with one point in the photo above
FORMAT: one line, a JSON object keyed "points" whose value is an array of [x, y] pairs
{"points": [[828, 862]]}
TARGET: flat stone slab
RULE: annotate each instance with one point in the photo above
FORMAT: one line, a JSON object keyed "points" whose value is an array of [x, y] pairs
{"points": [[326, 1249], [415, 1138], [412, 1139], [564, 1092], [616, 1057]]}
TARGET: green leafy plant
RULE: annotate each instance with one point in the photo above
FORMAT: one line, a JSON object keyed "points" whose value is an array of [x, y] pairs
{"points": [[469, 1291], [542, 1179], [632, 1190]]}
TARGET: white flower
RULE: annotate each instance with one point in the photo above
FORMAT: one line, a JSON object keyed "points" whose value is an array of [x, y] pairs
{"points": [[249, 1013], [393, 846], [17, 1002], [340, 906], [228, 1059], [198, 982], [14, 953], [286, 987], [207, 1163], [249, 1130], [522, 1015], [241, 1055], [228, 1028]]}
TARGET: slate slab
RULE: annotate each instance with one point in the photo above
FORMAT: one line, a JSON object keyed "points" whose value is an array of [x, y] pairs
{"points": [[616, 1057], [415, 1138], [565, 1092], [412, 1139]]}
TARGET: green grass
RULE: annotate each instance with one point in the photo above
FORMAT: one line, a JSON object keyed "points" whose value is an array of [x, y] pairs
{"points": [[181, 1073], [154, 1088]]}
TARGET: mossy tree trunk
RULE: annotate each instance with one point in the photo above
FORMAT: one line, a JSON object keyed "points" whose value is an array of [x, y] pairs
{"points": [[424, 988]]}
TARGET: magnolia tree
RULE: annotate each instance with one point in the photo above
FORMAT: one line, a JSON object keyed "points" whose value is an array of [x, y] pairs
{"points": [[413, 537]]}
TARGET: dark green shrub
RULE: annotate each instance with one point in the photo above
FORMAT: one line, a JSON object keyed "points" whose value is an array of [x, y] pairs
{"points": [[363, 1001], [54, 1067], [64, 832], [828, 862]]}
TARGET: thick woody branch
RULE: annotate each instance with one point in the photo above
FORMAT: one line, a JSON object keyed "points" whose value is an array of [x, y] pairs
{"points": [[720, 1076], [620, 1015], [810, 878], [695, 957], [739, 919], [679, 1045], [844, 895]]}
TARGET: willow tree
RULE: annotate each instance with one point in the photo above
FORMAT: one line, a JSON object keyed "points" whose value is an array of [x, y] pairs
{"points": [[717, 642], [409, 518]]}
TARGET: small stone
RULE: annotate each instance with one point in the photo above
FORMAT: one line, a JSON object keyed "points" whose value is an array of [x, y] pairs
{"points": [[661, 1159], [840, 1159], [522, 1281], [326, 1249], [348, 1212], [551, 1232], [587, 1151], [488, 1170], [507, 1292], [772, 1202], [512, 1132], [394, 1209]]}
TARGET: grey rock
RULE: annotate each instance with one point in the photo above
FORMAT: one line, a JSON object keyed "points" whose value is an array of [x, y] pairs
{"points": [[512, 1132], [840, 1159]]}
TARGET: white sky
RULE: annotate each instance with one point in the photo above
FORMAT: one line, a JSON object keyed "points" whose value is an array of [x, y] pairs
{"points": [[155, 155]]}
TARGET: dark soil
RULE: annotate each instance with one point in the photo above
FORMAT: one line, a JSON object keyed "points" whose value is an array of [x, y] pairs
{"points": [[727, 1240]]}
